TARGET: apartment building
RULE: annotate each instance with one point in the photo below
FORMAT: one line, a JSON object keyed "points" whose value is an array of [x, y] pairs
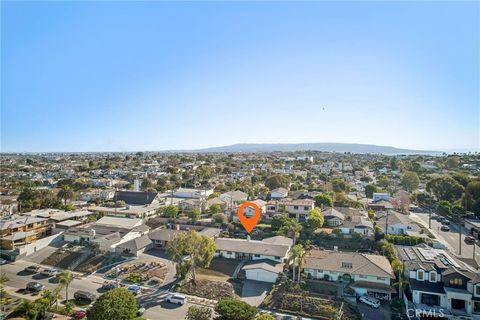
{"points": [[18, 231]]}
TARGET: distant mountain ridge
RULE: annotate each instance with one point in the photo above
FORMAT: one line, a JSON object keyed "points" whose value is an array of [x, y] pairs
{"points": [[326, 147]]}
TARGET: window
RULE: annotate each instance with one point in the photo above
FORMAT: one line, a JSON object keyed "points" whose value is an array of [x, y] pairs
{"points": [[380, 278], [277, 258], [295, 207], [361, 276], [306, 208], [347, 265], [456, 282], [229, 252], [256, 255], [433, 276], [477, 290], [420, 275]]}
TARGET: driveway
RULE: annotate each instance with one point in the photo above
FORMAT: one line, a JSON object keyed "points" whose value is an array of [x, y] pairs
{"points": [[369, 313], [253, 292]]}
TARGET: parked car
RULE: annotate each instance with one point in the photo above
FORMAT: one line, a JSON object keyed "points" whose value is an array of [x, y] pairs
{"points": [[445, 228], [34, 287], [141, 310], [2, 261], [446, 222], [49, 272], [108, 286], [86, 296], [470, 239], [32, 269], [176, 298], [134, 289], [372, 302], [79, 315]]}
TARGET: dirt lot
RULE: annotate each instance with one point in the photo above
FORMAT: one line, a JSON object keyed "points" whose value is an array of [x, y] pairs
{"points": [[62, 258], [204, 288], [220, 270]]}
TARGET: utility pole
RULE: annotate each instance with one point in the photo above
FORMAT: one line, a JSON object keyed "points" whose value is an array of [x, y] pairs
{"points": [[430, 218], [460, 234]]}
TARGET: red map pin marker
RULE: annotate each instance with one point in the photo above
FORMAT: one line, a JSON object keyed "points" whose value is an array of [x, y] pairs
{"points": [[249, 223]]}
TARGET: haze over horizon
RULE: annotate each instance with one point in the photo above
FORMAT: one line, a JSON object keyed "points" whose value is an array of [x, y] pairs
{"points": [[133, 76]]}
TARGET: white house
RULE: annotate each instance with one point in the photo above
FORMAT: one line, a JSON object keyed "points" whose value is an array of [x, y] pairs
{"points": [[377, 196], [274, 249], [263, 270]]}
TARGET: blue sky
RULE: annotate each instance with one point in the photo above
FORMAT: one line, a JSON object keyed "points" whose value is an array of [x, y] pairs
{"points": [[127, 76]]}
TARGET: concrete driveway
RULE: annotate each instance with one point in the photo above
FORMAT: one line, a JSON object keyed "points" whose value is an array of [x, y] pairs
{"points": [[369, 313], [253, 292]]}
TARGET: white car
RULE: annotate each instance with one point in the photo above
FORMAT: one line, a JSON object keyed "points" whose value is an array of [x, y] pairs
{"points": [[179, 299], [372, 302], [2, 261], [49, 272]]}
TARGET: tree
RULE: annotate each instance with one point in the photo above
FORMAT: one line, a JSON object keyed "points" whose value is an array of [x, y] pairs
{"points": [[314, 220], [170, 211], [383, 181], [410, 181], [199, 250], [65, 278], [194, 215], [445, 188], [220, 218], [297, 256], [291, 228], [323, 200], [231, 309], [4, 296], [214, 195], [445, 208], [277, 181], [65, 193], [215, 208], [452, 162], [370, 189], [113, 305], [371, 214], [199, 313], [339, 185]]}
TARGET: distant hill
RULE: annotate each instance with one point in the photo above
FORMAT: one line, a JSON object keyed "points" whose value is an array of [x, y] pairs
{"points": [[327, 147]]}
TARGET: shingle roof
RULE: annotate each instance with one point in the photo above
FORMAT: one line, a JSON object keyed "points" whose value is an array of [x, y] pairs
{"points": [[251, 246], [264, 264], [361, 263], [136, 244]]}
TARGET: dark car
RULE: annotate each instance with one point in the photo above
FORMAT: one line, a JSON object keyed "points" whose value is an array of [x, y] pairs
{"points": [[469, 240], [34, 287], [446, 222], [84, 296], [108, 286]]}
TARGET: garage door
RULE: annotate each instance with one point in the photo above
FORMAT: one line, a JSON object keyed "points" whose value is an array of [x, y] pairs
{"points": [[261, 275]]}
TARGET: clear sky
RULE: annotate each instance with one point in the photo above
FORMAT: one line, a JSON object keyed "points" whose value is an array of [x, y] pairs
{"points": [[128, 76]]}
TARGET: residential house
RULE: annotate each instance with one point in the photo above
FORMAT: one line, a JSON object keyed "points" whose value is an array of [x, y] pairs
{"points": [[348, 220], [190, 205], [188, 193], [275, 248], [440, 281], [108, 233], [233, 198], [396, 223], [366, 274], [299, 209], [161, 236]]}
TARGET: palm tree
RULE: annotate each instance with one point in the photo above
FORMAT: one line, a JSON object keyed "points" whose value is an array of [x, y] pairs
{"points": [[291, 228], [300, 257], [297, 254], [65, 193], [65, 278]]}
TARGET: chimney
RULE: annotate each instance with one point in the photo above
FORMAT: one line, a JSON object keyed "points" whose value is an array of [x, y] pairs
{"points": [[248, 237], [335, 248], [177, 227]]}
